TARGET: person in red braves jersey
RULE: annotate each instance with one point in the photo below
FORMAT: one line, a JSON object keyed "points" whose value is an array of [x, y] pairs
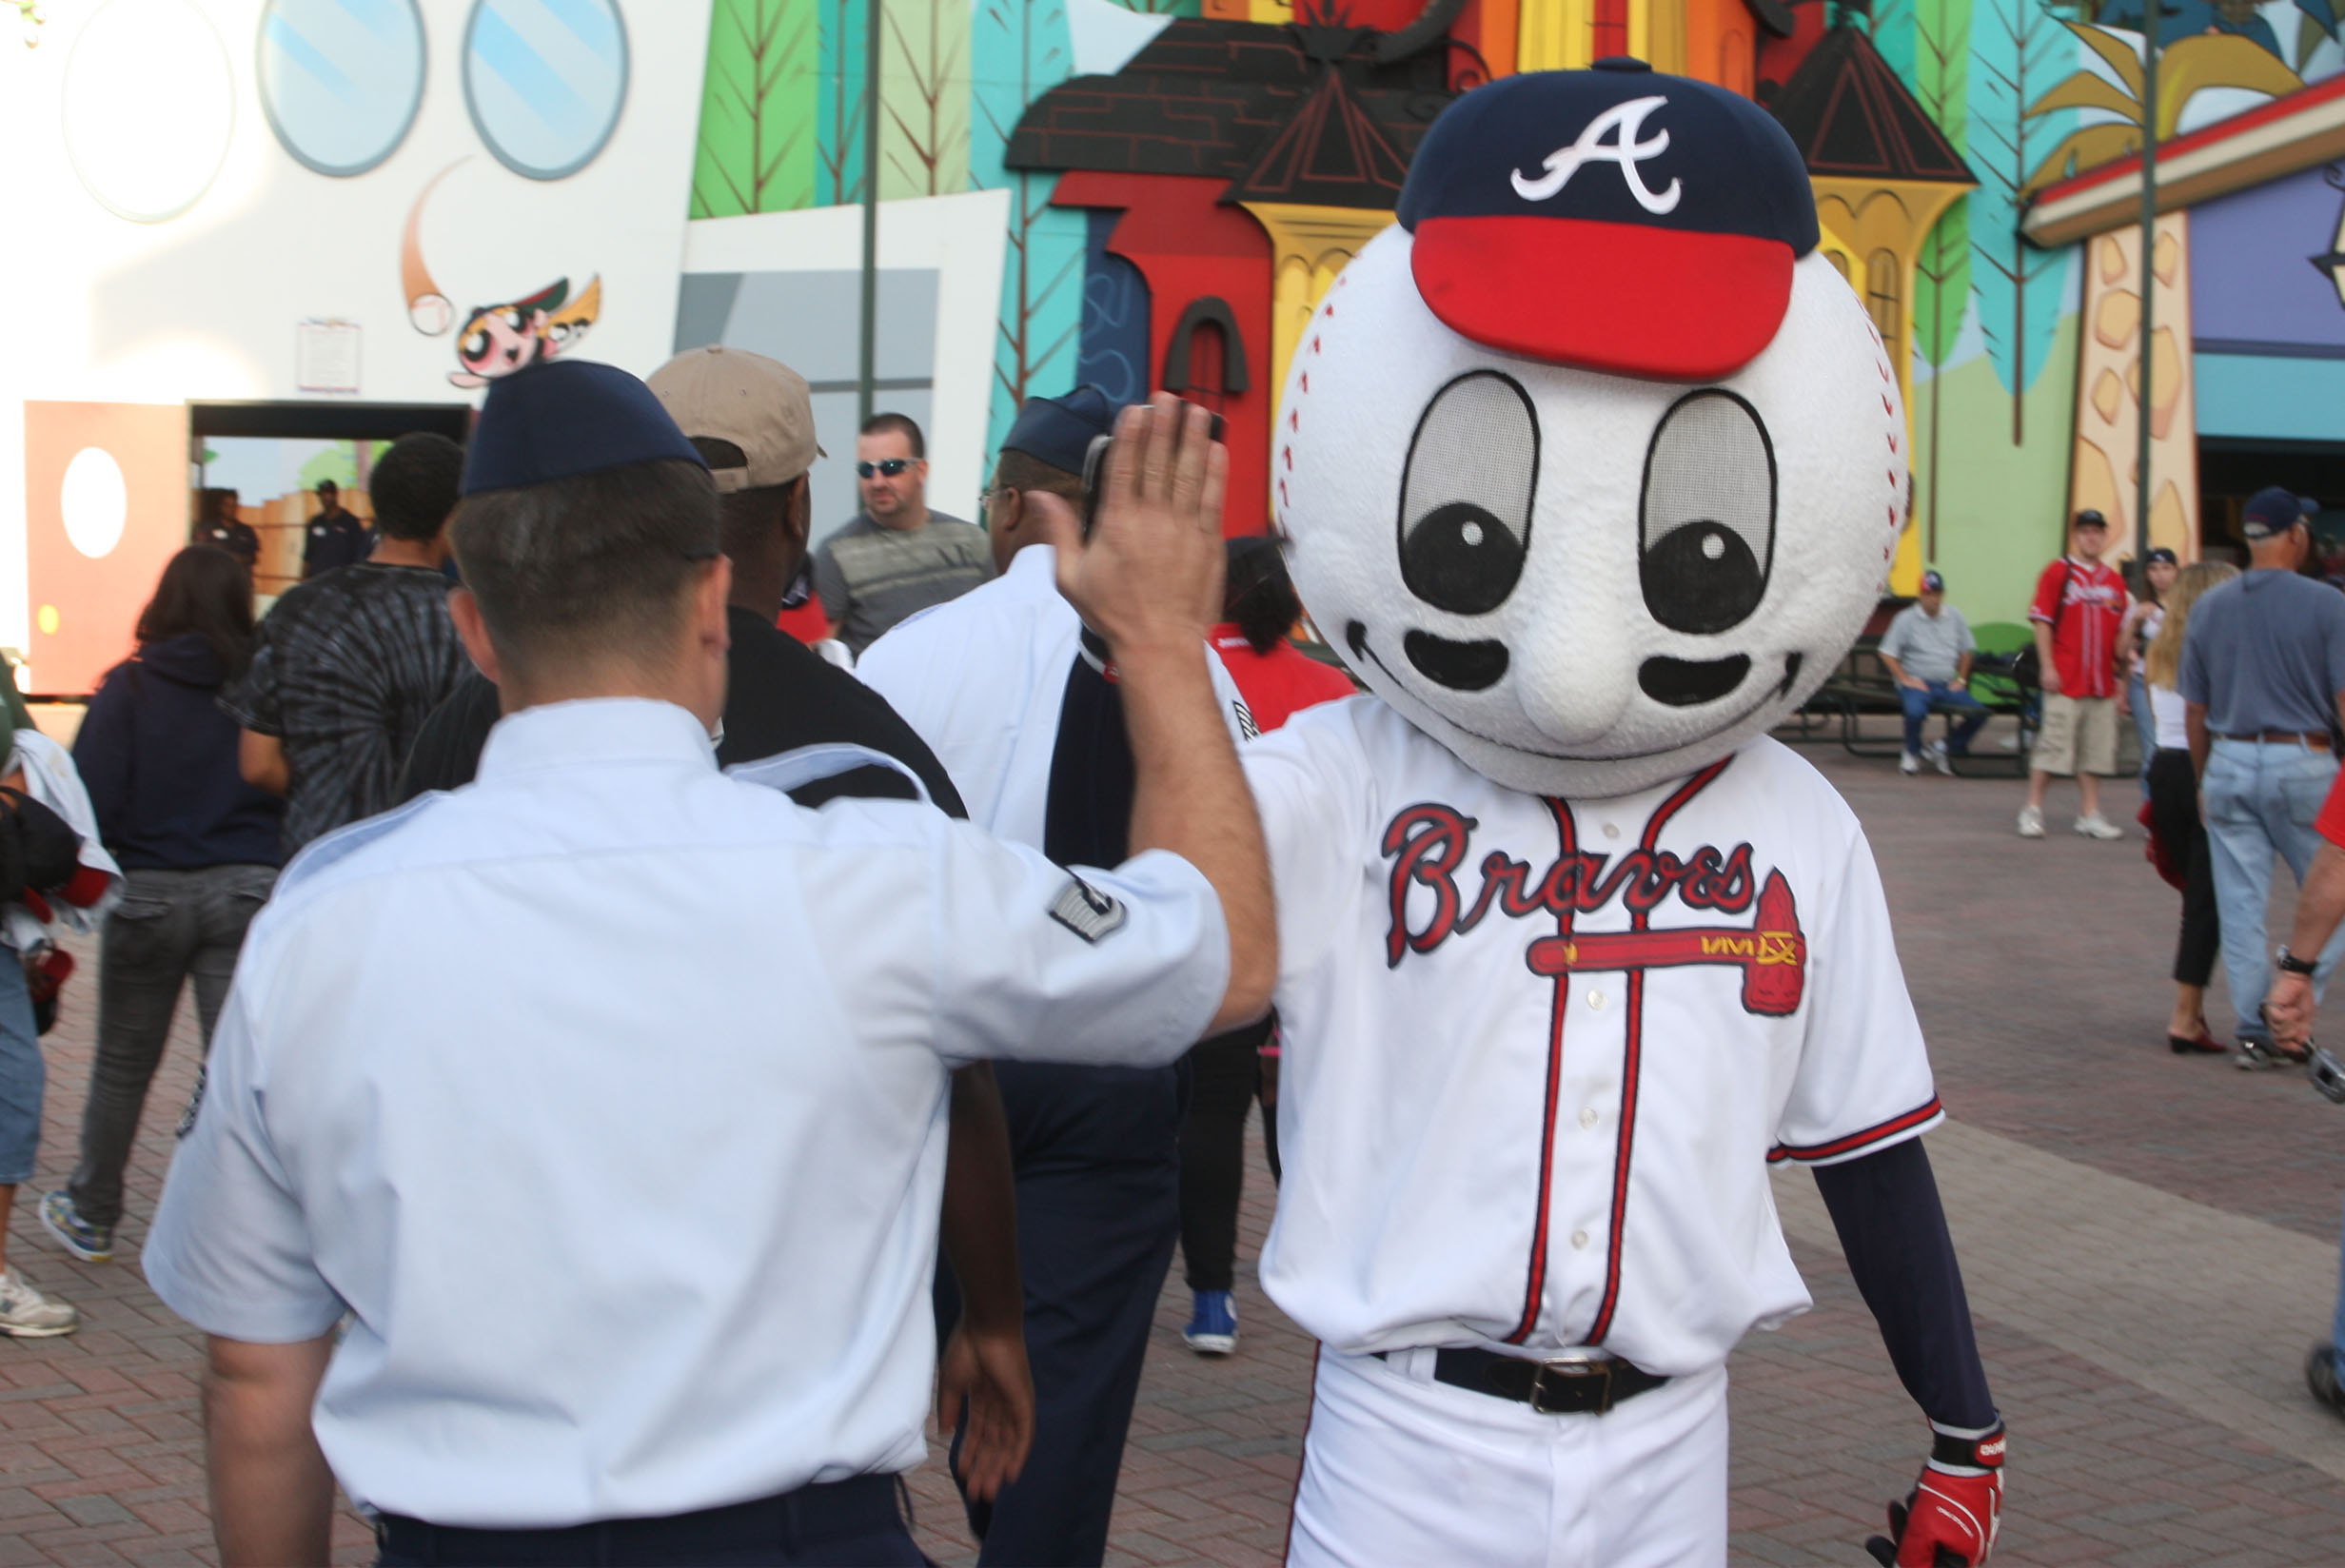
{"points": [[1593, 468], [2079, 606], [1256, 638]]}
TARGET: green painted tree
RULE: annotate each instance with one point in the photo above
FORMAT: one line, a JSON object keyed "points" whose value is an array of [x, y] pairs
{"points": [[1021, 48], [757, 101], [843, 28], [924, 98]]}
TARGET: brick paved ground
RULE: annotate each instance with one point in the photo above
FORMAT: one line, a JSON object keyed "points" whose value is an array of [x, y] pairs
{"points": [[2151, 1243]]}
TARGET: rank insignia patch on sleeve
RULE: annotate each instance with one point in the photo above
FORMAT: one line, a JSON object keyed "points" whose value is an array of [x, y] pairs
{"points": [[1087, 911]]}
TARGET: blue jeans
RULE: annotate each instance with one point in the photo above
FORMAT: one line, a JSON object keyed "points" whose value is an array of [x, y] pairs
{"points": [[1916, 700], [21, 1075], [2145, 724], [2260, 799]]}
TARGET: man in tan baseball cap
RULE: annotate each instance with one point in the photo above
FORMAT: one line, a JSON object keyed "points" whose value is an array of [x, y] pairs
{"points": [[754, 421]]}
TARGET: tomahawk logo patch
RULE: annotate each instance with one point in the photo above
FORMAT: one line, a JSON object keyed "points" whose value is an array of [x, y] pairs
{"points": [[1085, 911]]}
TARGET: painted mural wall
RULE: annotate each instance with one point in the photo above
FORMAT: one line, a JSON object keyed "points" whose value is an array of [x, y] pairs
{"points": [[384, 201], [783, 127]]}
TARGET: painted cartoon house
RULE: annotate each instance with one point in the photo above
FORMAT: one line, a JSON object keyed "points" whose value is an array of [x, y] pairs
{"points": [[1884, 176], [1242, 165]]}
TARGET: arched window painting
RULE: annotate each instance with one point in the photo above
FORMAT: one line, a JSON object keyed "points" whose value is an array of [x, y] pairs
{"points": [[1883, 295], [545, 81], [341, 80]]}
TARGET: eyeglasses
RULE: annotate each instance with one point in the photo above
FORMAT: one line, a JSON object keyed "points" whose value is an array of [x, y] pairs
{"points": [[890, 466]]}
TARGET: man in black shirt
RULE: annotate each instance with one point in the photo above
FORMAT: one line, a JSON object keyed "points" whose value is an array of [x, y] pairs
{"points": [[336, 538], [347, 666]]}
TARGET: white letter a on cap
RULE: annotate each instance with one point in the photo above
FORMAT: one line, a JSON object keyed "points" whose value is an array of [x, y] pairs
{"points": [[1623, 121]]}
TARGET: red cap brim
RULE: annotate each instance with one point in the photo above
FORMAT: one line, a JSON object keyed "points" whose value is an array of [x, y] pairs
{"points": [[1618, 297]]}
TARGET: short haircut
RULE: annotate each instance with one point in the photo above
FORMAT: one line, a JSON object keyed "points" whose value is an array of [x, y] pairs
{"points": [[323, 485], [416, 484], [902, 424], [1015, 470], [582, 567], [753, 519]]}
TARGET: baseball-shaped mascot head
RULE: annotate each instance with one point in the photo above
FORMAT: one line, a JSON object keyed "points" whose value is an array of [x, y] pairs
{"points": [[1593, 465]]}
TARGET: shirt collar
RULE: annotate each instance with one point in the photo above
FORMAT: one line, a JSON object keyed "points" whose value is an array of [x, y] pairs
{"points": [[614, 729]]}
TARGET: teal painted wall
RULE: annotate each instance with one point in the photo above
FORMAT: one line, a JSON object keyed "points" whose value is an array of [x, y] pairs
{"points": [[2271, 399]]}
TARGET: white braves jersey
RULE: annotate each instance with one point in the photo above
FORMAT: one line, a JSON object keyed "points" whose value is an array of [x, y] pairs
{"points": [[1539, 1053]]}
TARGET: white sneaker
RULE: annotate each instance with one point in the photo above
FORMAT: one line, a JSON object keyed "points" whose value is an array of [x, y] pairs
{"points": [[2030, 822], [28, 1314], [2097, 826], [1909, 763], [1940, 760]]}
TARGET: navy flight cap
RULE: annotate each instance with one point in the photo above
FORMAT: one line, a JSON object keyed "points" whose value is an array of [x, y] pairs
{"points": [[1059, 430], [1614, 219], [559, 420]]}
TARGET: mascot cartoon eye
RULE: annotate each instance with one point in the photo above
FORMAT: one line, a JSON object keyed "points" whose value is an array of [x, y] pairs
{"points": [[1708, 540], [1465, 495]]}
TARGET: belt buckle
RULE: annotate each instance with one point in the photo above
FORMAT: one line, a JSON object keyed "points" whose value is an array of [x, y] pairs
{"points": [[1567, 1372]]}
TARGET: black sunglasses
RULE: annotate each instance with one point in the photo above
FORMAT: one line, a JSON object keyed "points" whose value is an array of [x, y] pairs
{"points": [[890, 466]]}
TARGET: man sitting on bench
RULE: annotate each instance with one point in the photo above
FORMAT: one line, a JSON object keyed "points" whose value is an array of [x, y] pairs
{"points": [[1927, 650]]}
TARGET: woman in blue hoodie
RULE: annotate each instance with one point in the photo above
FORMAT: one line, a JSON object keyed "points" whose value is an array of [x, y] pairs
{"points": [[199, 853]]}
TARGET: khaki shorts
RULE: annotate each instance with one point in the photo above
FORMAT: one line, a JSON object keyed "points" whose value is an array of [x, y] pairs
{"points": [[2078, 735]]}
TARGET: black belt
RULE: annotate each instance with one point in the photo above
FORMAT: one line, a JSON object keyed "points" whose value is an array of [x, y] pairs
{"points": [[860, 1506], [1552, 1388]]}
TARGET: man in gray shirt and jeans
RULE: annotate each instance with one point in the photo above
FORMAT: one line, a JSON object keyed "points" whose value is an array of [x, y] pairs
{"points": [[2263, 676], [1927, 650]]}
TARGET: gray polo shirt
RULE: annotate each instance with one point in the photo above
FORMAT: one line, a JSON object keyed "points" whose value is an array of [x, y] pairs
{"points": [[2266, 650], [1928, 646], [870, 578]]}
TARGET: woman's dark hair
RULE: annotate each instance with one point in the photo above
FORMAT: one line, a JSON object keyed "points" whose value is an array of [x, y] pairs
{"points": [[1257, 594], [206, 592]]}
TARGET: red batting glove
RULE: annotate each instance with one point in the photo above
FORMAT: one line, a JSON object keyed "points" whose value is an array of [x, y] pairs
{"points": [[1950, 1518]]}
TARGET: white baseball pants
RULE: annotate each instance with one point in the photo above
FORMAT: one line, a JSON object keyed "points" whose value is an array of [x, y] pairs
{"points": [[1400, 1471]]}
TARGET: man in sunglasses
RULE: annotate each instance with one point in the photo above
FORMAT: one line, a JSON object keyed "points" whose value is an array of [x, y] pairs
{"points": [[896, 558]]}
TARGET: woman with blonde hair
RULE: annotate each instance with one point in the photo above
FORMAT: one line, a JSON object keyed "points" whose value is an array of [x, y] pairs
{"points": [[2177, 836]]}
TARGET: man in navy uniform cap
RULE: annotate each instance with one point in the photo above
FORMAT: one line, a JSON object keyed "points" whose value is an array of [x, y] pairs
{"points": [[484, 1175], [1028, 714]]}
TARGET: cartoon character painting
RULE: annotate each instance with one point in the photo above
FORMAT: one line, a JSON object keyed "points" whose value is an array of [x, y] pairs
{"points": [[1592, 466], [498, 340]]}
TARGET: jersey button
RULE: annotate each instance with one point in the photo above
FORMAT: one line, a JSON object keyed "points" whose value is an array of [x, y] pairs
{"points": [[1587, 1117], [1595, 1001], [1611, 830], [1579, 1241]]}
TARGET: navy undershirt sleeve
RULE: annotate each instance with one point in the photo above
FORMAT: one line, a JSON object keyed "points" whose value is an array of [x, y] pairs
{"points": [[1893, 1230]]}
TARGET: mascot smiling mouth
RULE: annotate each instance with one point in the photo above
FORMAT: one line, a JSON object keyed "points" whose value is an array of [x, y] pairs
{"points": [[1678, 683]]}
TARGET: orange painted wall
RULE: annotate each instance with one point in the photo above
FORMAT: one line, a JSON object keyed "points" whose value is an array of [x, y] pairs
{"points": [[1719, 44], [83, 609]]}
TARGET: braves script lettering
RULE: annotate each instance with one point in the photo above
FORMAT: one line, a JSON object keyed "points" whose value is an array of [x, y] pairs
{"points": [[1622, 122], [1429, 843]]}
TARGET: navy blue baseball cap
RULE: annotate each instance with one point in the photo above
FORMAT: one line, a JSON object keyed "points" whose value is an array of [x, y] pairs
{"points": [[559, 420], [2274, 510], [1616, 219], [1059, 430], [1933, 583]]}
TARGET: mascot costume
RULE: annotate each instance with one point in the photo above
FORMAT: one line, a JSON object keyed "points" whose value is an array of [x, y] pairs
{"points": [[1592, 466]]}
